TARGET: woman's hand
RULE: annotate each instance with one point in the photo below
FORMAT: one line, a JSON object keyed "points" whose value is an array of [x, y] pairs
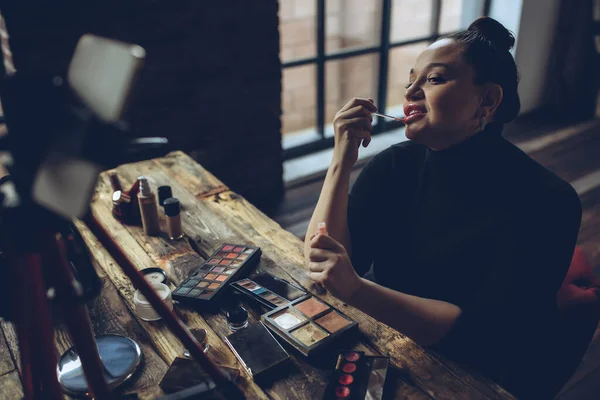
{"points": [[330, 266], [352, 125]]}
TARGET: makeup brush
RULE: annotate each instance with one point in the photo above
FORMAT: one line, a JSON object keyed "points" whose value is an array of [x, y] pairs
{"points": [[389, 116]]}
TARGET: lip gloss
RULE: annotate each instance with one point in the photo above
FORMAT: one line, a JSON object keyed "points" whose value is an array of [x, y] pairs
{"points": [[322, 228]]}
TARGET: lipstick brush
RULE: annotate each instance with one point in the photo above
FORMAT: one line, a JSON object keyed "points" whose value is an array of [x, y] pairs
{"points": [[389, 116]]}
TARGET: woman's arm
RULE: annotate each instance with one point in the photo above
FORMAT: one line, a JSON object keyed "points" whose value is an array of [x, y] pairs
{"points": [[352, 125], [332, 207], [425, 321]]}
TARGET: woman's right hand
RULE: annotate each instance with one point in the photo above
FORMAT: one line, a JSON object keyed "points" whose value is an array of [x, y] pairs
{"points": [[352, 125]]}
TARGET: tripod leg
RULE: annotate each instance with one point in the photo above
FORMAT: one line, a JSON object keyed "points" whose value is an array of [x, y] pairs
{"points": [[229, 388], [77, 320], [35, 331]]}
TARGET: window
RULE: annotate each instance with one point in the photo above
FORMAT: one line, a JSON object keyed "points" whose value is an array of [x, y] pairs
{"points": [[333, 50]]}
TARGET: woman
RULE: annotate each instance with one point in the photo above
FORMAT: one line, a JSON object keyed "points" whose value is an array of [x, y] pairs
{"points": [[468, 238]]}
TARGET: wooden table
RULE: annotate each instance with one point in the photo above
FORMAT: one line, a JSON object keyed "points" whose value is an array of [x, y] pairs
{"points": [[212, 214]]}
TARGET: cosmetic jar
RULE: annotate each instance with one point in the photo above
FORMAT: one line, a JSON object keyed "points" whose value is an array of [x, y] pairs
{"points": [[237, 318], [144, 309], [202, 338]]}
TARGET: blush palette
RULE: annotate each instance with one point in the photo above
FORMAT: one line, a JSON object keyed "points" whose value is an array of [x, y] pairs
{"points": [[357, 376], [308, 324], [226, 264]]}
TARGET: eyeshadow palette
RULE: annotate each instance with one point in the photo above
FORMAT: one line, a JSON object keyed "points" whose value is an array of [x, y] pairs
{"points": [[357, 377], [308, 324], [205, 284], [268, 290]]}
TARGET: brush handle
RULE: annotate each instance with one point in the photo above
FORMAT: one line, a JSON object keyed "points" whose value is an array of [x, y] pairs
{"points": [[388, 116]]}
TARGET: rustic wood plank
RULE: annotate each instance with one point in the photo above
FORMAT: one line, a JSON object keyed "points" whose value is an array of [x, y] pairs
{"points": [[110, 315], [176, 259], [304, 381], [579, 153], [213, 218], [434, 374], [10, 386], [165, 343], [7, 363]]}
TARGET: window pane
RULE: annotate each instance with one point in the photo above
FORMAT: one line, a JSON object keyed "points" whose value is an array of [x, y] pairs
{"points": [[299, 99], [450, 16], [348, 78], [297, 25], [402, 59], [411, 19], [351, 24]]}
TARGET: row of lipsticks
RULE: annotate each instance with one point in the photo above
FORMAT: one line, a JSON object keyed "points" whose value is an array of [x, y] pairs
{"points": [[139, 205]]}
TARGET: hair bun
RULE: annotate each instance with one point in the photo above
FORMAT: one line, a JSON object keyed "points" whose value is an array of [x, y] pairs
{"points": [[494, 31]]}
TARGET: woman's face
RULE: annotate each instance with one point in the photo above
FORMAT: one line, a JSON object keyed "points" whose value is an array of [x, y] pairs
{"points": [[442, 97]]}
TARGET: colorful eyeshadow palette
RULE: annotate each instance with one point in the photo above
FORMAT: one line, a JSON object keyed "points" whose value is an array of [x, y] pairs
{"points": [[308, 324], [357, 377], [268, 290], [226, 264]]}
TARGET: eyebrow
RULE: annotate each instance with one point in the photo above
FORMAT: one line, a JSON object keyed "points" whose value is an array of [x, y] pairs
{"points": [[432, 65]]}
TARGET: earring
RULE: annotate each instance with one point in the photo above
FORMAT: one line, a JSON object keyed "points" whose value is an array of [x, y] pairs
{"points": [[482, 124]]}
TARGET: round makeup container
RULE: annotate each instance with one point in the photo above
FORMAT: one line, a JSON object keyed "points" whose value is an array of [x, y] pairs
{"points": [[237, 318], [202, 337], [155, 275], [144, 309]]}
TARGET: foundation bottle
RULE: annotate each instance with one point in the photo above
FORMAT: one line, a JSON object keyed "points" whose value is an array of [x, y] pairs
{"points": [[172, 211], [148, 208]]}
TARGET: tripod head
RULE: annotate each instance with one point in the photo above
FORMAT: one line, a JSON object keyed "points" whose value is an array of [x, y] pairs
{"points": [[62, 132]]}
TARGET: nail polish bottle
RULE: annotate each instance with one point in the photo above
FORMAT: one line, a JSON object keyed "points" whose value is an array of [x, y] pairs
{"points": [[148, 208], [172, 211]]}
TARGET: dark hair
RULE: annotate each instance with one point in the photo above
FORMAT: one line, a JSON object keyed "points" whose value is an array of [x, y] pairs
{"points": [[486, 46]]}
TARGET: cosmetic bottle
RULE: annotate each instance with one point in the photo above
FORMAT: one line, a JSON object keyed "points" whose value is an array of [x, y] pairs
{"points": [[237, 318], [115, 183], [164, 192], [121, 209], [322, 228], [134, 216], [172, 209], [148, 208]]}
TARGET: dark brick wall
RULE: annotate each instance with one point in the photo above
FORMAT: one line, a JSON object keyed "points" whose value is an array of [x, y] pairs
{"points": [[211, 82]]}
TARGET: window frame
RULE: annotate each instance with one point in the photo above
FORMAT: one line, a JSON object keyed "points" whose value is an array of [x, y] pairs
{"points": [[385, 45]]}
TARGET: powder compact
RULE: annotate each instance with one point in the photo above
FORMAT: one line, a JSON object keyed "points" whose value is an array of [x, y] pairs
{"points": [[155, 275], [357, 377], [308, 324], [269, 290], [206, 283]]}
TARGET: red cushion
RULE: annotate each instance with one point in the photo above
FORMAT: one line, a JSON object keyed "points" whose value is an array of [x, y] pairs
{"points": [[580, 287]]}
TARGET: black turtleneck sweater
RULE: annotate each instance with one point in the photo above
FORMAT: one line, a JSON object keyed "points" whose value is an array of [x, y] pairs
{"points": [[480, 225]]}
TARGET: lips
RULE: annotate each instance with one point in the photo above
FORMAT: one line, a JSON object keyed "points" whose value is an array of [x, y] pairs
{"points": [[413, 112]]}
